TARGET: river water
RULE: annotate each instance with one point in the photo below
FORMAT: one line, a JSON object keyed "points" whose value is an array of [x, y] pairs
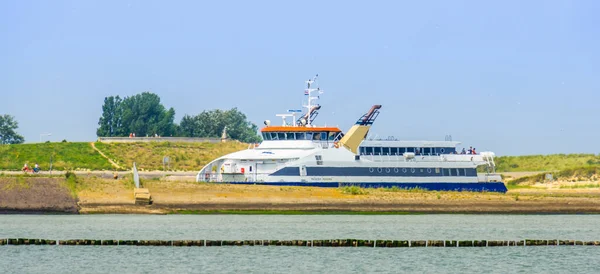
{"points": [[132, 259]]}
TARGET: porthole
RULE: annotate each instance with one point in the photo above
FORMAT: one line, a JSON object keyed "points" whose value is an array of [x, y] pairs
{"points": [[442, 150], [379, 169], [387, 170], [404, 170], [412, 170], [371, 169], [396, 169], [429, 170]]}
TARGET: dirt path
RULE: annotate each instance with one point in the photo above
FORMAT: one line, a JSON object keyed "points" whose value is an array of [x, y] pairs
{"points": [[115, 165]]}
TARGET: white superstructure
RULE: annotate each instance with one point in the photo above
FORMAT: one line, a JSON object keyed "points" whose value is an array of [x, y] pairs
{"points": [[300, 153]]}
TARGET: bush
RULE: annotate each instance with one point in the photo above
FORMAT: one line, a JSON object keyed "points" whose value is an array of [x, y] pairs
{"points": [[353, 190], [71, 182], [70, 175]]}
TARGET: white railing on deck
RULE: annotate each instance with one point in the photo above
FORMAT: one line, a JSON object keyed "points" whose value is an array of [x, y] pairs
{"points": [[426, 158]]}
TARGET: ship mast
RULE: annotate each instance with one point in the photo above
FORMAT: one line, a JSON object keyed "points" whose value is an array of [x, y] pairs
{"points": [[309, 91]]}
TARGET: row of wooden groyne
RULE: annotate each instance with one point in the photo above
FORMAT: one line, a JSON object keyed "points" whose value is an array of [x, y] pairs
{"points": [[307, 243]]}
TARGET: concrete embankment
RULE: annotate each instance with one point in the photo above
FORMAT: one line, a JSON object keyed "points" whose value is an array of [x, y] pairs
{"points": [[304, 243], [36, 195]]}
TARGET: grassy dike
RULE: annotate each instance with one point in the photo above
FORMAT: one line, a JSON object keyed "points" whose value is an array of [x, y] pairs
{"points": [[553, 162], [81, 155], [64, 156], [183, 156], [192, 156]]}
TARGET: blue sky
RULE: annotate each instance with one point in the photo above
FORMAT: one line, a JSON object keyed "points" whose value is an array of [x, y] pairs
{"points": [[514, 77]]}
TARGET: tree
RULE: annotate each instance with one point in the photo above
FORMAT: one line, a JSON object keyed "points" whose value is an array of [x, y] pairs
{"points": [[142, 114], [110, 122], [8, 127], [211, 124]]}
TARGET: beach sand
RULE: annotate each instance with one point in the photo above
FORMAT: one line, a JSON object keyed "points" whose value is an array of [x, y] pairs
{"points": [[177, 196]]}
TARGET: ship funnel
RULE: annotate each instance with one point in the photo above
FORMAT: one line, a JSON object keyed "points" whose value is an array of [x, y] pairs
{"points": [[359, 131]]}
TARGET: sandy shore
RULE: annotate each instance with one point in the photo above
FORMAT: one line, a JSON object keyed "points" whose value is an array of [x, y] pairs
{"points": [[189, 197], [94, 194]]}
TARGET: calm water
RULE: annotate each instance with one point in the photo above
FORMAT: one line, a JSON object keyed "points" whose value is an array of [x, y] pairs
{"points": [[110, 259]]}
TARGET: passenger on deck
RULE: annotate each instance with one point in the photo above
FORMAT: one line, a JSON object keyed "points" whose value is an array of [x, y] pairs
{"points": [[470, 150], [36, 168], [474, 152], [25, 168], [464, 151]]}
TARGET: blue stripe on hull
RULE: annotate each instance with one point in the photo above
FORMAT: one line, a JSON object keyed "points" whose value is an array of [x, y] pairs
{"points": [[378, 171], [477, 187]]}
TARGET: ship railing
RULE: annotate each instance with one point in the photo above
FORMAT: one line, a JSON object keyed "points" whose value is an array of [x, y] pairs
{"points": [[218, 177], [427, 158]]}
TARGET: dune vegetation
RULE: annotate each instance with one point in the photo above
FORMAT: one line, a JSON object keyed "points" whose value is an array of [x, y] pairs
{"points": [[579, 174]]}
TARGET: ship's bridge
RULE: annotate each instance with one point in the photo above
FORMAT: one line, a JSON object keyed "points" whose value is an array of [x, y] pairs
{"points": [[283, 133]]}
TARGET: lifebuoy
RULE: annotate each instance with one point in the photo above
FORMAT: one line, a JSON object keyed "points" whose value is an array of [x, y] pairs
{"points": [[336, 144]]}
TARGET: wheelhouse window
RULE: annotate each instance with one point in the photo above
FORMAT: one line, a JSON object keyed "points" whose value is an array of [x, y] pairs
{"points": [[323, 136], [331, 136], [309, 136], [281, 135], [300, 136], [289, 136], [266, 136], [274, 136]]}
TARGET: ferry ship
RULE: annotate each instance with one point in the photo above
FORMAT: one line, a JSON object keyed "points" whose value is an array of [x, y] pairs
{"points": [[298, 153]]}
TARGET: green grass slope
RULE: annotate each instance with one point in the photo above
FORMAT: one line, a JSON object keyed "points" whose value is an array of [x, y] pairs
{"points": [[192, 156], [552, 162], [183, 156], [65, 156]]}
